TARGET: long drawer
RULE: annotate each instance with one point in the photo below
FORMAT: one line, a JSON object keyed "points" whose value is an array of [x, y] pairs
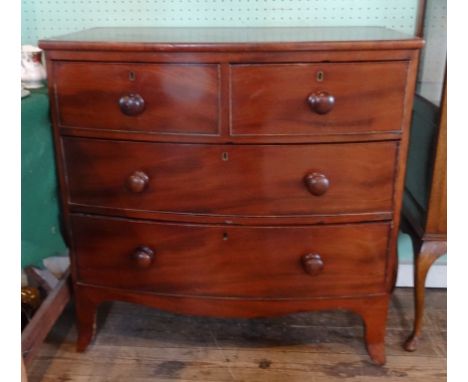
{"points": [[201, 260], [231, 180]]}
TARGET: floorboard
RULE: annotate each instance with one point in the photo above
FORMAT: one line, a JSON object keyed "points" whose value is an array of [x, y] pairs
{"points": [[140, 344]]}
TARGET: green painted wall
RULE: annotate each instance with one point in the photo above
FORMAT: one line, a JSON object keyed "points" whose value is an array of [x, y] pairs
{"points": [[40, 226], [46, 18]]}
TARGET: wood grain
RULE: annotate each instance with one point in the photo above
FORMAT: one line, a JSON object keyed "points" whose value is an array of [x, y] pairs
{"points": [[232, 39], [371, 308], [358, 54], [89, 95], [242, 262], [253, 180], [400, 172], [272, 99], [436, 220]]}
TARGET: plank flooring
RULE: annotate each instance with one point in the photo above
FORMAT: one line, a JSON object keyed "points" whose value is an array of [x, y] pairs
{"points": [[140, 344]]}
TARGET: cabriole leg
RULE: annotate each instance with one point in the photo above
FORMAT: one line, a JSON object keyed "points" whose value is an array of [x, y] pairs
{"points": [[429, 253]]}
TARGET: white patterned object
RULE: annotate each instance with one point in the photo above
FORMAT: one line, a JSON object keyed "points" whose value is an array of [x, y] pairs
{"points": [[33, 72]]}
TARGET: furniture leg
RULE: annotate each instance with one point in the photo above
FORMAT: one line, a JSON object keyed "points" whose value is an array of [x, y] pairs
{"points": [[85, 318], [24, 374], [429, 253], [375, 319]]}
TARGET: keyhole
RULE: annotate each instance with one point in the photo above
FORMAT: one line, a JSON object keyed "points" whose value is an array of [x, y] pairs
{"points": [[225, 156], [320, 76], [225, 236], [131, 76]]}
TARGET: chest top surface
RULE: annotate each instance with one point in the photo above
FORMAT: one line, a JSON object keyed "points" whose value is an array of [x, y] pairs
{"points": [[214, 38]]}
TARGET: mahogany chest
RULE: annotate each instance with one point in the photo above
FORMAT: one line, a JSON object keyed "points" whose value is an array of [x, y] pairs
{"points": [[233, 172]]}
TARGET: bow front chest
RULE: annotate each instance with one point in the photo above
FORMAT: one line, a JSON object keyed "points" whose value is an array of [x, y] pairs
{"points": [[233, 172]]}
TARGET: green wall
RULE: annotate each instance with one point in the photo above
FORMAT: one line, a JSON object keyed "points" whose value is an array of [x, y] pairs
{"points": [[40, 225]]}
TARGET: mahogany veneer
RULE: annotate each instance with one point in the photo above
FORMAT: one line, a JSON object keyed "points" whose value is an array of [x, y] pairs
{"points": [[250, 180], [172, 101], [237, 261], [233, 172], [362, 92]]}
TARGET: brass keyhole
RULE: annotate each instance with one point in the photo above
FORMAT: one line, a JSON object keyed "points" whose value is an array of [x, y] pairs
{"points": [[131, 76], [225, 236], [320, 76], [225, 156]]}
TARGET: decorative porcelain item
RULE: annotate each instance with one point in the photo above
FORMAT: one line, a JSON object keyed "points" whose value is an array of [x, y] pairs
{"points": [[33, 72]]}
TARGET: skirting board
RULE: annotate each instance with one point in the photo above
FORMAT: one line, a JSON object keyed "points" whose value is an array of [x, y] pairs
{"points": [[436, 278]]}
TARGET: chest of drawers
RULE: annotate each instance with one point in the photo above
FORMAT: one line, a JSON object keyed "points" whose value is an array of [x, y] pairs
{"points": [[233, 172]]}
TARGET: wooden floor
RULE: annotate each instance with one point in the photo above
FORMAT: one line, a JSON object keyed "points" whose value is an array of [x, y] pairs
{"points": [[136, 344]]}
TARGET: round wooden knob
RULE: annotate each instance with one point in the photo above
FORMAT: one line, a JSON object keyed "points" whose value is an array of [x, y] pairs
{"points": [[312, 263], [137, 182], [321, 102], [317, 183], [132, 104], [143, 257]]}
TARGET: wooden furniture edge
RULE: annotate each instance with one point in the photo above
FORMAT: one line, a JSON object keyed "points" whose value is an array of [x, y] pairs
{"points": [[436, 221], [414, 43], [433, 243], [371, 308]]}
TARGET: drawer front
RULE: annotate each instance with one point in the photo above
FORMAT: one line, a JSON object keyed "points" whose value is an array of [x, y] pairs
{"points": [[231, 261], [157, 98], [314, 99], [241, 180]]}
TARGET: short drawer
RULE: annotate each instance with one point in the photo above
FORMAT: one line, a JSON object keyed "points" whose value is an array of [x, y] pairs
{"points": [[294, 262], [231, 180], [315, 99], [157, 98]]}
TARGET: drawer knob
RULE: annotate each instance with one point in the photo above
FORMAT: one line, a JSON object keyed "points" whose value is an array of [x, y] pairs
{"points": [[143, 257], [138, 181], [321, 102], [316, 183], [132, 104], [312, 263]]}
